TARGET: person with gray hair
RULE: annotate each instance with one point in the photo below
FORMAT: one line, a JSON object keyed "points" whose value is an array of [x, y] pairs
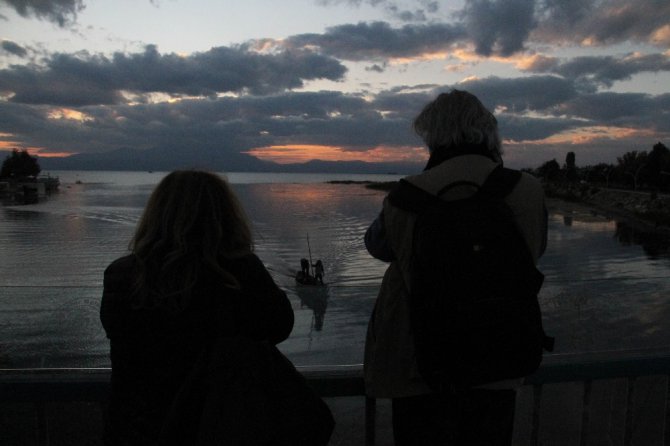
{"points": [[457, 123], [464, 148]]}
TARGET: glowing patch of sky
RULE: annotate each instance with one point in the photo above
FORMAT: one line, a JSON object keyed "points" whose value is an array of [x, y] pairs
{"points": [[297, 153]]}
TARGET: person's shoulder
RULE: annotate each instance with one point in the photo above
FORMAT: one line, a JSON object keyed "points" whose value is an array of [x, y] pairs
{"points": [[530, 178], [527, 194], [530, 183], [243, 264], [120, 271], [124, 263]]}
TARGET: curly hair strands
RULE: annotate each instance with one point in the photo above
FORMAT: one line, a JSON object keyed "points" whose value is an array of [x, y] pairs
{"points": [[192, 222]]}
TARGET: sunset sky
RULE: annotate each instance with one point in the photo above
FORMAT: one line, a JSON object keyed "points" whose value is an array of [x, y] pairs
{"points": [[294, 80]]}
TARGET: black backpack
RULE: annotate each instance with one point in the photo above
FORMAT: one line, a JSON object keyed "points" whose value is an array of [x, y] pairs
{"points": [[473, 286]]}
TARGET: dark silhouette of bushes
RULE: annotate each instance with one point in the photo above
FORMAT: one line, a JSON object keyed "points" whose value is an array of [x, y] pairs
{"points": [[19, 165]]}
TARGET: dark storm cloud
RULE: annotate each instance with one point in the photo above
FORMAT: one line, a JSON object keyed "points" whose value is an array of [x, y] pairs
{"points": [[507, 26], [85, 79], [68, 81], [61, 12], [378, 40], [533, 93], [393, 8], [350, 2], [13, 48], [230, 124], [566, 12], [601, 21], [402, 104], [528, 109], [301, 118], [605, 70], [524, 128], [500, 26], [560, 106], [510, 99], [623, 109], [223, 69], [376, 68]]}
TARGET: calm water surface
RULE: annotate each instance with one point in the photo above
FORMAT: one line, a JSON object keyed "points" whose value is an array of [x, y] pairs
{"points": [[606, 287]]}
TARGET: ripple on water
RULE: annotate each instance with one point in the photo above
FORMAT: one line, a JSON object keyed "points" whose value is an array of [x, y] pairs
{"points": [[606, 286]]}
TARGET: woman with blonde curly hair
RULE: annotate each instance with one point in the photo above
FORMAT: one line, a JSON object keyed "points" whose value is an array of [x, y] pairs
{"points": [[191, 277]]}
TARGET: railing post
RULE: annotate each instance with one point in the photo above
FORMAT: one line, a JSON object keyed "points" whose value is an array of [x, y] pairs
{"points": [[42, 424], [370, 420], [535, 426], [628, 432]]}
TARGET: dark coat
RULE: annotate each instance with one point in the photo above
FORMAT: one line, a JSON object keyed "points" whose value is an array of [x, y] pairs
{"points": [[390, 366], [153, 350]]}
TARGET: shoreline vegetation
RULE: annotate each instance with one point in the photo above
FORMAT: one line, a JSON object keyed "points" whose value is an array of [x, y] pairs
{"points": [[635, 189], [375, 185]]}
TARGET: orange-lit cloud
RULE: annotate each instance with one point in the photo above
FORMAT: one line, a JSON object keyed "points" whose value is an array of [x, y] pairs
{"points": [[535, 62], [42, 154], [68, 113], [661, 35], [300, 153], [471, 57], [469, 79], [35, 151], [7, 144], [425, 57], [521, 61], [587, 135], [267, 45]]}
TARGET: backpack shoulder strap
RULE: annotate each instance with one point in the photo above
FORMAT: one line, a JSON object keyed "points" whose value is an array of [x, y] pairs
{"points": [[455, 184], [411, 198], [500, 182]]}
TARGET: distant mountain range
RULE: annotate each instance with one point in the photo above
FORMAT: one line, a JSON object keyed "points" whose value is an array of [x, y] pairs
{"points": [[167, 160]]}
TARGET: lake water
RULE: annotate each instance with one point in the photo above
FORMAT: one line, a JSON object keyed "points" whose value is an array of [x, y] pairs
{"points": [[606, 287]]}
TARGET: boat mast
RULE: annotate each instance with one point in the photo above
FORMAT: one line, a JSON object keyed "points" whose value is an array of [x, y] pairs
{"points": [[309, 250]]}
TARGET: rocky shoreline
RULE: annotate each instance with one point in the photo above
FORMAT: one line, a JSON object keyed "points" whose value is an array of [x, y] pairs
{"points": [[643, 208], [649, 209]]}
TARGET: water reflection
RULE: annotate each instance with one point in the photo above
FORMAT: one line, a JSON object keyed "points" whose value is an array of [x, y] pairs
{"points": [[316, 299], [605, 288], [606, 281], [654, 243]]}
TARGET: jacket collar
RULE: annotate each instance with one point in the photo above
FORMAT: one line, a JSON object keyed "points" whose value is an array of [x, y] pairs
{"points": [[440, 154]]}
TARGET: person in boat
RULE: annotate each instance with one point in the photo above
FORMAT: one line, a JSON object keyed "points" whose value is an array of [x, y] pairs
{"points": [[304, 267], [191, 278], [318, 271]]}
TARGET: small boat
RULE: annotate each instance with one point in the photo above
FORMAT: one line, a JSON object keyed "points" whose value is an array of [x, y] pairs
{"points": [[306, 279], [303, 277]]}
